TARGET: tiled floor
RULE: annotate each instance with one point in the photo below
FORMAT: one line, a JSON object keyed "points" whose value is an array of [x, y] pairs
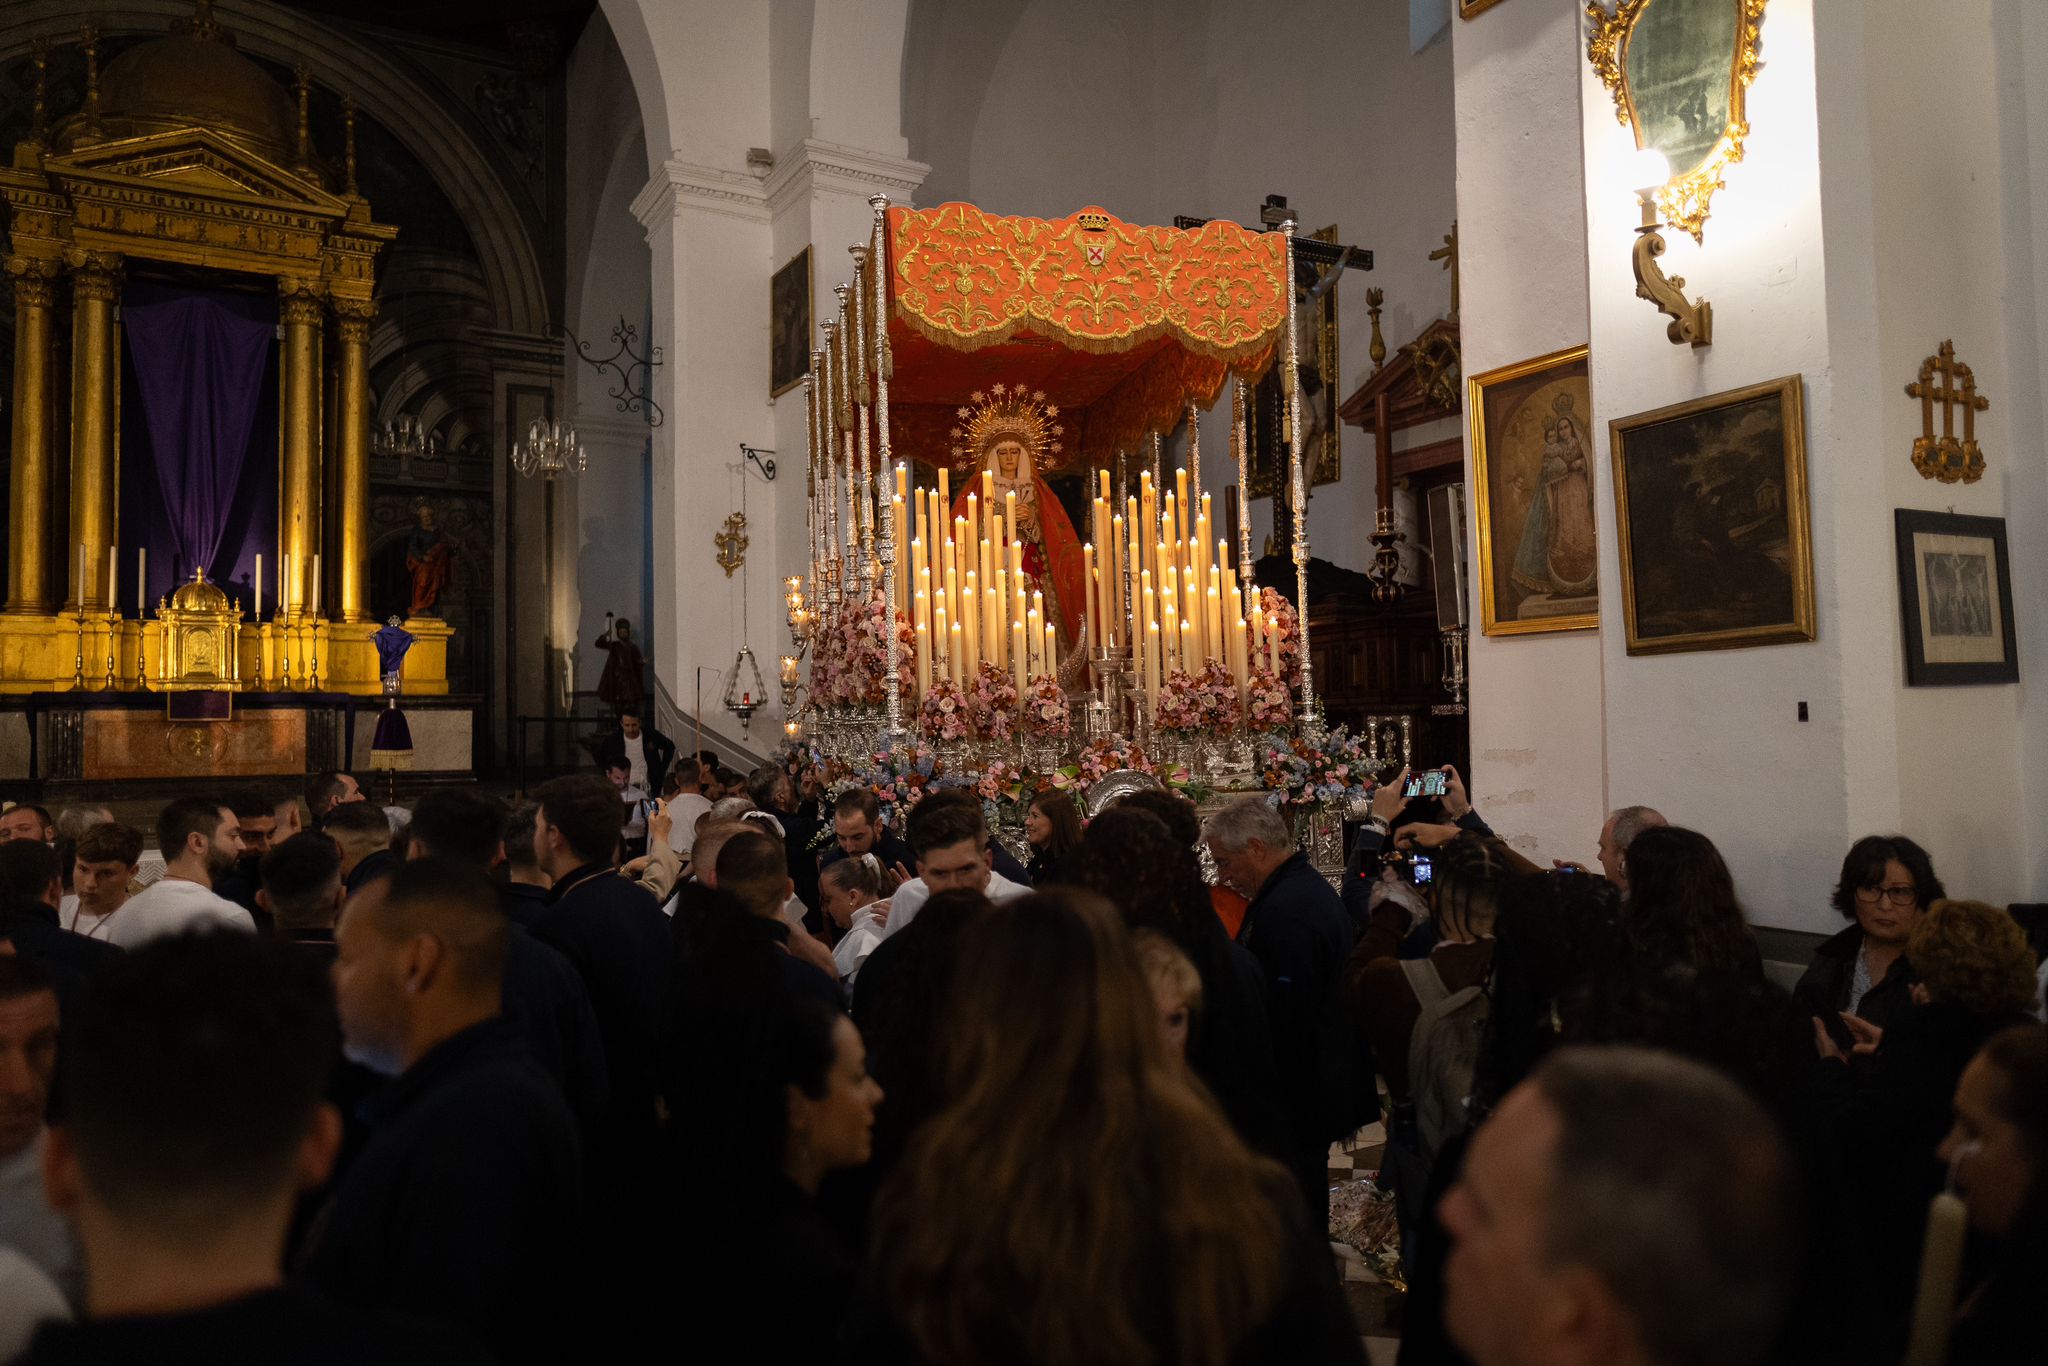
{"points": [[1376, 1305]]}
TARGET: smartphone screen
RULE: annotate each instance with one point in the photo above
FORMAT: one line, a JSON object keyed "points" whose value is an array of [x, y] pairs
{"points": [[1422, 869], [1414, 787], [1434, 784]]}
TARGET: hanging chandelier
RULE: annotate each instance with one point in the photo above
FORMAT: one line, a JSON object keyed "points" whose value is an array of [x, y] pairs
{"points": [[550, 449], [405, 436]]}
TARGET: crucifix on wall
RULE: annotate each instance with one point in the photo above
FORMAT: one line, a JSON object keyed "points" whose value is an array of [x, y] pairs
{"points": [[1320, 260]]}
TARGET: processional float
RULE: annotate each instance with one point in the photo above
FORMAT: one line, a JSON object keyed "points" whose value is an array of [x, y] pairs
{"points": [[970, 616]]}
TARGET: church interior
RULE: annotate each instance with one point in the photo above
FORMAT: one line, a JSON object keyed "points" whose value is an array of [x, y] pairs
{"points": [[1622, 404]]}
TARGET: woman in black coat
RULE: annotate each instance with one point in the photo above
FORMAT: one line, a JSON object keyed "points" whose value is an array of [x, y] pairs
{"points": [[1052, 827], [1998, 1151], [1886, 886]]}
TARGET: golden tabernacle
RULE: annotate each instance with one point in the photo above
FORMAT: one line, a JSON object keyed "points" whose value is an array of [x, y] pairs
{"points": [[188, 173]]}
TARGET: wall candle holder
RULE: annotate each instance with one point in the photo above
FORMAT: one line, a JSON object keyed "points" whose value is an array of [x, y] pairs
{"points": [[1691, 322]]}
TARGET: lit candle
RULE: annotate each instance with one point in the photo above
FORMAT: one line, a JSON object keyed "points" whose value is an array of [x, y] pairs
{"points": [[1031, 635], [992, 624], [1273, 646], [1052, 650], [1212, 628], [1095, 600], [902, 481], [789, 669], [941, 639], [113, 572], [142, 580], [970, 625], [945, 489], [957, 666], [1010, 510], [924, 655], [1151, 666], [259, 586], [1019, 654], [1116, 579]]}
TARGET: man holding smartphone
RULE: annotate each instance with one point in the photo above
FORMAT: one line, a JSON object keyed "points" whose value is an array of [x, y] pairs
{"points": [[1391, 825]]}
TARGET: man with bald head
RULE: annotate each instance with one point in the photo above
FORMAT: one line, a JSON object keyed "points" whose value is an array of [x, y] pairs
{"points": [[465, 1203]]}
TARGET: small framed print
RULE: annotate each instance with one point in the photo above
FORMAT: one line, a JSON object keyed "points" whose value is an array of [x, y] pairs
{"points": [[1955, 592], [789, 324]]}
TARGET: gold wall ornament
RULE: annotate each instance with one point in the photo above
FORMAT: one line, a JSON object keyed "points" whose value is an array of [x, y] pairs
{"points": [[1375, 303], [1678, 70], [731, 541], [1690, 322], [1952, 384]]}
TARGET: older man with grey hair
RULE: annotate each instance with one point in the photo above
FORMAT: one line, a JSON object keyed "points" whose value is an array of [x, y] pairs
{"points": [[1622, 1207], [1618, 832], [1298, 930]]}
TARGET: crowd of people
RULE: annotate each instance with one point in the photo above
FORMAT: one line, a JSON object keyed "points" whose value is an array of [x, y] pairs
{"points": [[667, 1057]]}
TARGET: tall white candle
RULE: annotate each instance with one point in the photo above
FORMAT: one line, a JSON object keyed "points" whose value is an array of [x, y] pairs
{"points": [[316, 585], [142, 580], [113, 572], [259, 588]]}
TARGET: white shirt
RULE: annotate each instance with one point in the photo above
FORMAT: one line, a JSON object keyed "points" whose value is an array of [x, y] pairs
{"points": [[91, 926], [30, 1226], [865, 931], [683, 811], [911, 896], [27, 1300], [173, 905], [636, 812], [636, 759]]}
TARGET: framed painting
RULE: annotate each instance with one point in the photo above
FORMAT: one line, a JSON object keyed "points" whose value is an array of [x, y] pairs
{"points": [[1532, 473], [789, 325], [1955, 590], [1471, 9], [1710, 502]]}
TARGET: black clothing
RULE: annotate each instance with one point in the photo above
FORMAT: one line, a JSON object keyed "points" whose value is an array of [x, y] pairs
{"points": [[70, 959], [546, 998], [466, 1202], [1298, 930], [790, 1283], [617, 938], [658, 748], [1045, 868], [1311, 1325], [239, 886], [292, 1326], [1824, 989], [1891, 1110], [798, 830], [889, 847], [377, 863], [1004, 862], [524, 902], [2001, 1314], [1231, 1044]]}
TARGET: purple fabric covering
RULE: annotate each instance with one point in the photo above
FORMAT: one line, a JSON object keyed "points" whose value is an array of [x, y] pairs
{"points": [[204, 491], [392, 733]]}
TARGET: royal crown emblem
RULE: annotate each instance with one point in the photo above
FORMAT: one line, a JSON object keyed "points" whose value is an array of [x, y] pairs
{"points": [[1008, 413]]}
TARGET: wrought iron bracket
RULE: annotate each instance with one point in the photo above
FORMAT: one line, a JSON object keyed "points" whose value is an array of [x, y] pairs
{"points": [[634, 389], [763, 458]]}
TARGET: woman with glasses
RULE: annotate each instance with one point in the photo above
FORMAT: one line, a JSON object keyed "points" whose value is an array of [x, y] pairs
{"points": [[1887, 884]]}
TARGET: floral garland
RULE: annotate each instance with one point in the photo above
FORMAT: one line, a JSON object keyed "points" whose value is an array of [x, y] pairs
{"points": [[1303, 774], [1180, 704], [1280, 617], [992, 705], [943, 713], [899, 780], [1046, 712], [1216, 691], [1268, 704], [856, 664]]}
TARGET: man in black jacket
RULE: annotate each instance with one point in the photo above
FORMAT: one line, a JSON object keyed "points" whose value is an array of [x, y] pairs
{"points": [[466, 1202], [31, 883], [1298, 930], [644, 751]]}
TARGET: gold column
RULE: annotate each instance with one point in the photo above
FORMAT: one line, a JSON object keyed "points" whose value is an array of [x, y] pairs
{"points": [[299, 417], [352, 441], [95, 282], [28, 541]]}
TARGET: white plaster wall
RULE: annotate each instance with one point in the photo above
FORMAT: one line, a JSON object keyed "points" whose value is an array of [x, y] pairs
{"points": [[1538, 739], [2021, 49], [1152, 108]]}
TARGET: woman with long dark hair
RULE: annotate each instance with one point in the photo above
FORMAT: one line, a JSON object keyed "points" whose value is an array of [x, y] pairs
{"points": [[1052, 826], [1076, 1200], [1682, 913]]}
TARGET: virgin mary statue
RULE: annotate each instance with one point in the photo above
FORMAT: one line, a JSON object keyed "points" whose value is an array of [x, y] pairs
{"points": [[1012, 435]]}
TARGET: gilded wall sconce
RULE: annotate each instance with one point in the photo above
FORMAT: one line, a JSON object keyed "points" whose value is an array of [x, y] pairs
{"points": [[1690, 321], [1949, 382], [731, 541]]}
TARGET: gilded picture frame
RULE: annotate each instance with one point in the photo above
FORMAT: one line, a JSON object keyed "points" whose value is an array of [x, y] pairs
{"points": [[1711, 514], [1533, 497], [1666, 65], [789, 324], [1323, 455], [1955, 599], [1472, 9]]}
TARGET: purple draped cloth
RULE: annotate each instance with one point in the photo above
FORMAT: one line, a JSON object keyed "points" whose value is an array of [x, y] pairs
{"points": [[199, 358]]}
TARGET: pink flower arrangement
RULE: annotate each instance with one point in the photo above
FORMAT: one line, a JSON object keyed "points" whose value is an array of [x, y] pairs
{"points": [[992, 705], [1180, 702], [1045, 711], [898, 781], [1311, 775], [1216, 691], [1003, 781], [1268, 704], [943, 714], [854, 655]]}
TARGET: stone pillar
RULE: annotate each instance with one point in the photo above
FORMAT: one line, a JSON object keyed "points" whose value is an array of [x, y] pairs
{"points": [[352, 442], [299, 497], [28, 539], [95, 284]]}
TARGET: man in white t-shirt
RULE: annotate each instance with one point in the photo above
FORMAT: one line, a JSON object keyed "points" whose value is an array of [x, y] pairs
{"points": [[102, 866], [950, 839], [686, 804], [200, 840]]}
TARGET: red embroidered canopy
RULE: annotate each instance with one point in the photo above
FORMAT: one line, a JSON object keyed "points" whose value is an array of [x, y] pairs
{"points": [[1121, 326]]}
